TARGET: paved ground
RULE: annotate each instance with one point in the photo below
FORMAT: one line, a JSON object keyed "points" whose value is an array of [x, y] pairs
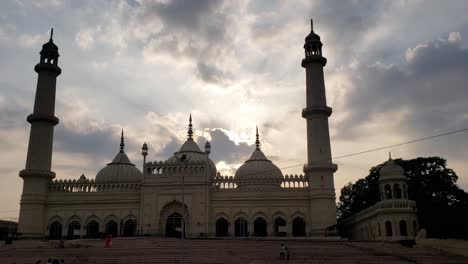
{"points": [[151, 250]]}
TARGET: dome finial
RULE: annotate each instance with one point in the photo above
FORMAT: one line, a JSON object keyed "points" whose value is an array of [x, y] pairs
{"points": [[389, 155], [51, 34], [122, 145], [311, 24], [257, 141], [190, 131]]}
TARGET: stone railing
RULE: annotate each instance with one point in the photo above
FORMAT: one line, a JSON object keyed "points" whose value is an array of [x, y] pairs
{"points": [[164, 168], [91, 186], [382, 205], [289, 181], [295, 181], [224, 182]]}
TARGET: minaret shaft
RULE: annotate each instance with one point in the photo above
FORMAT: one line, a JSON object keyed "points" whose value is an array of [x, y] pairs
{"points": [[37, 173], [319, 166]]}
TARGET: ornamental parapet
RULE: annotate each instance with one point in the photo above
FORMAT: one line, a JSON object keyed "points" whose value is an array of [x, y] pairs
{"points": [[316, 111], [165, 168], [87, 186], [386, 205], [288, 182]]}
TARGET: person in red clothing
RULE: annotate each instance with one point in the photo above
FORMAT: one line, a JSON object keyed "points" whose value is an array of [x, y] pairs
{"points": [[108, 241]]}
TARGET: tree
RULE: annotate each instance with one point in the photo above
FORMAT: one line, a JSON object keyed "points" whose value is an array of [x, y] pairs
{"points": [[442, 205]]}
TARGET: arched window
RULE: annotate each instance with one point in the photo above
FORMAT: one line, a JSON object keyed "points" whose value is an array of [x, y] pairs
{"points": [[397, 190], [403, 229], [240, 227], [379, 230], [280, 226], [405, 191], [388, 191], [112, 228], [129, 228], [298, 227], [92, 229], [222, 227], [260, 227], [388, 229], [55, 231], [74, 230]]}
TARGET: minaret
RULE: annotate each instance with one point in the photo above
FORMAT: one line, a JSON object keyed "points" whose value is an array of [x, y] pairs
{"points": [[319, 167], [37, 174]]}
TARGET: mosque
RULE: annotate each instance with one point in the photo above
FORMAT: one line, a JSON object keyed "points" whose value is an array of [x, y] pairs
{"points": [[185, 195]]}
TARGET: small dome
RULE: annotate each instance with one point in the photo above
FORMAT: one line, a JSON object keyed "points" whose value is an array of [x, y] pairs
{"points": [[121, 169], [50, 46], [312, 37], [258, 172], [391, 170]]}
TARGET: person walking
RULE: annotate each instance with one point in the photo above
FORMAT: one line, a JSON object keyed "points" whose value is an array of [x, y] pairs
{"points": [[108, 241]]}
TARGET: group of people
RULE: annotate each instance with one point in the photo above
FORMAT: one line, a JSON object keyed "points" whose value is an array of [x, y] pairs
{"points": [[284, 252]]}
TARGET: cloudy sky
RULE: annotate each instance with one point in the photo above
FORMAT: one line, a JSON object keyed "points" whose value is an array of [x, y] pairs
{"points": [[396, 71]]}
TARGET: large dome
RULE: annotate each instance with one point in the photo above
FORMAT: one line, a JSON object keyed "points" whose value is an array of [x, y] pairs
{"points": [[258, 172], [120, 169]]}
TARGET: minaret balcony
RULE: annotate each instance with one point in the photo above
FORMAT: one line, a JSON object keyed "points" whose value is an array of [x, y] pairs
{"points": [[48, 67], [42, 118], [323, 165], [316, 111], [314, 59]]}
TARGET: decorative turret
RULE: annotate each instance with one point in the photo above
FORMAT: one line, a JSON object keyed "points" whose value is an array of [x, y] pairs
{"points": [[49, 52], [319, 168], [37, 172], [313, 45], [207, 148], [392, 181]]}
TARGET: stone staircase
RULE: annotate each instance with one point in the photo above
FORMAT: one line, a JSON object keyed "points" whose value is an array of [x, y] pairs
{"points": [[152, 250]]}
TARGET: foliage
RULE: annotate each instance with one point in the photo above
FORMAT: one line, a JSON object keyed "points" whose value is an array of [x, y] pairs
{"points": [[442, 205]]}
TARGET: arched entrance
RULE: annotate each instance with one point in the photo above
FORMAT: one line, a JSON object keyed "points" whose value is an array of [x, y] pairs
{"points": [[112, 228], [74, 230], [280, 225], [92, 229], [55, 231], [130, 228], [260, 227], [222, 227], [298, 227], [174, 225], [240, 227]]}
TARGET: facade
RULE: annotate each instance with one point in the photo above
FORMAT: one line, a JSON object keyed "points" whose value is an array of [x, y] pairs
{"points": [[183, 194], [394, 218]]}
